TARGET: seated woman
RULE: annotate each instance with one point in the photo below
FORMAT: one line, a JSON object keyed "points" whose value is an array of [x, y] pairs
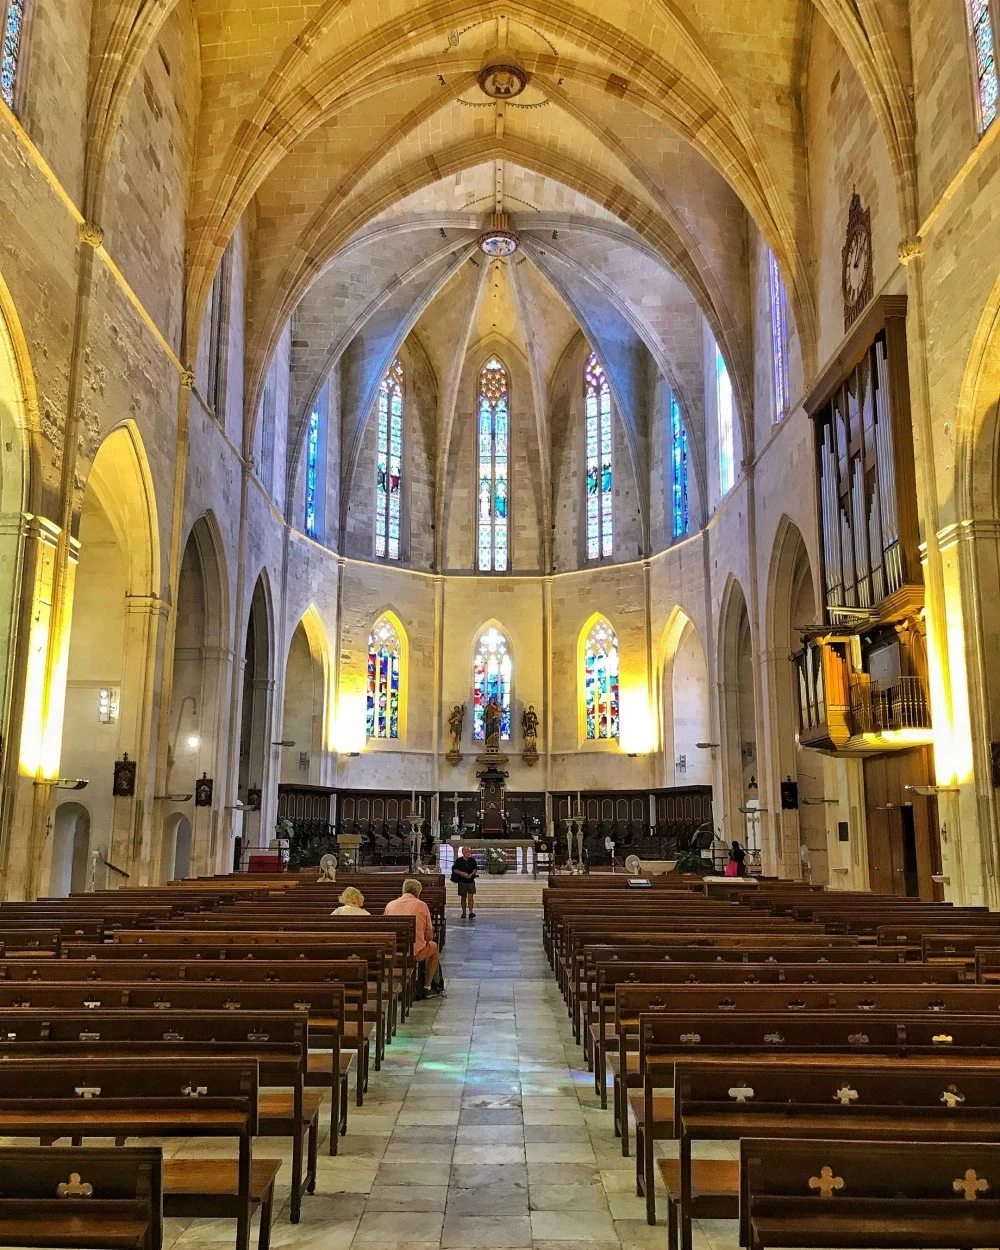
{"points": [[352, 903]]}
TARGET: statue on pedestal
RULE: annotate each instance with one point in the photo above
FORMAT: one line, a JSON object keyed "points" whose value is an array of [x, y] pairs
{"points": [[456, 721], [493, 719], [529, 727]]}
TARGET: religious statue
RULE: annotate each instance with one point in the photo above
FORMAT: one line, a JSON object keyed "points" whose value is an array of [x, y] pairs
{"points": [[455, 722], [493, 716], [529, 727]]}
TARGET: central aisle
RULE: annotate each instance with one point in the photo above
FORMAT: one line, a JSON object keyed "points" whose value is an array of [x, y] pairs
{"points": [[479, 1131]]}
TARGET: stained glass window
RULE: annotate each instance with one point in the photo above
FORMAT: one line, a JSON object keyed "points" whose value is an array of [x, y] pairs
{"points": [[779, 336], [679, 464], [389, 463], [491, 680], [13, 38], [494, 478], [599, 470], [984, 48], [383, 680], [312, 474], [600, 681], [724, 397]]}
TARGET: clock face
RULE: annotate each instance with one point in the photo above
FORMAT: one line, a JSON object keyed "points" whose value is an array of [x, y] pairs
{"points": [[857, 266]]}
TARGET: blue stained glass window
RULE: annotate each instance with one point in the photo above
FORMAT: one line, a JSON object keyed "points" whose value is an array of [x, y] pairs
{"points": [[724, 398], [492, 550], [389, 463], [600, 681], [779, 336], [492, 674], [985, 51], [600, 475], [312, 473], [13, 38], [383, 680], [679, 464]]}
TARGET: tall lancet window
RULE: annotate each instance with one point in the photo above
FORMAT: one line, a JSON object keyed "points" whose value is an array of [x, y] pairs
{"points": [[312, 475], [600, 480], [982, 31], [389, 463], [494, 479], [600, 681], [679, 465], [724, 401], [383, 680], [12, 34], [491, 680], [779, 336]]}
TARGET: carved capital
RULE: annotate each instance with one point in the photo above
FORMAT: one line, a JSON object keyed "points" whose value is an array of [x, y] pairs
{"points": [[910, 249], [91, 234], [187, 379]]}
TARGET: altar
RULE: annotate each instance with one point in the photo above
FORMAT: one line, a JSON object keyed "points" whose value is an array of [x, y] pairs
{"points": [[525, 852]]}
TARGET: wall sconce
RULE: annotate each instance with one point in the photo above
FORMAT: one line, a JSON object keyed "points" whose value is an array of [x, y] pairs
{"points": [[285, 742], [66, 783], [707, 746], [173, 798]]}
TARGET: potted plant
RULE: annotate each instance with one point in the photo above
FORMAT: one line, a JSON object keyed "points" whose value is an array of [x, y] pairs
{"points": [[690, 861], [496, 861]]}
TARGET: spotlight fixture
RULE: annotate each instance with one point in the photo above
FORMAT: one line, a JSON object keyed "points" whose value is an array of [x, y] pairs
{"points": [[66, 783], [499, 240], [173, 798], [706, 746], [285, 742]]}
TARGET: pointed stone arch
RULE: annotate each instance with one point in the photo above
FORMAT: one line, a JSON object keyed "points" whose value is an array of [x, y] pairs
{"points": [[683, 697], [307, 701]]}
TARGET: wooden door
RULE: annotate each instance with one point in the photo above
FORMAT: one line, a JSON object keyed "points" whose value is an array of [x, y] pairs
{"points": [[904, 851]]}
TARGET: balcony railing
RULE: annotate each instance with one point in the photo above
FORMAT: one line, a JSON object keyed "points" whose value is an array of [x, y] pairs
{"points": [[880, 707]]}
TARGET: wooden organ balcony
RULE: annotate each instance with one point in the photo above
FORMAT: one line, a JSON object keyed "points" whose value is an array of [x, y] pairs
{"points": [[862, 674]]}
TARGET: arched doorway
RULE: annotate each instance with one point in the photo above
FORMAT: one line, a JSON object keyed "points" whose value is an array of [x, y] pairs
{"points": [[195, 741], [801, 832], [686, 706], [70, 871], [741, 780], [304, 712], [175, 848], [255, 725], [112, 644]]}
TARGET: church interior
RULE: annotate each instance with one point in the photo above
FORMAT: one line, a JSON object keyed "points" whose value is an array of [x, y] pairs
{"points": [[567, 432]]}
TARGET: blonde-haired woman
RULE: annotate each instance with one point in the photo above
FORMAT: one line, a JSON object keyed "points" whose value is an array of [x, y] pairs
{"points": [[352, 903]]}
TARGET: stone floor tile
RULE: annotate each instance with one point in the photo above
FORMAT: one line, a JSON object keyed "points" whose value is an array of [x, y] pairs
{"points": [[487, 1154], [407, 1197], [489, 1200], [573, 1226], [568, 1198], [482, 1231], [559, 1152], [409, 1227]]}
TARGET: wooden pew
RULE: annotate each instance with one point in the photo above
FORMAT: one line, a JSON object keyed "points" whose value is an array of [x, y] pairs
{"points": [[667, 1039], [377, 951], [342, 929], [165, 1096], [845, 1193], [851, 1099], [277, 1040], [324, 1003], [612, 1023], [95, 1197]]}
